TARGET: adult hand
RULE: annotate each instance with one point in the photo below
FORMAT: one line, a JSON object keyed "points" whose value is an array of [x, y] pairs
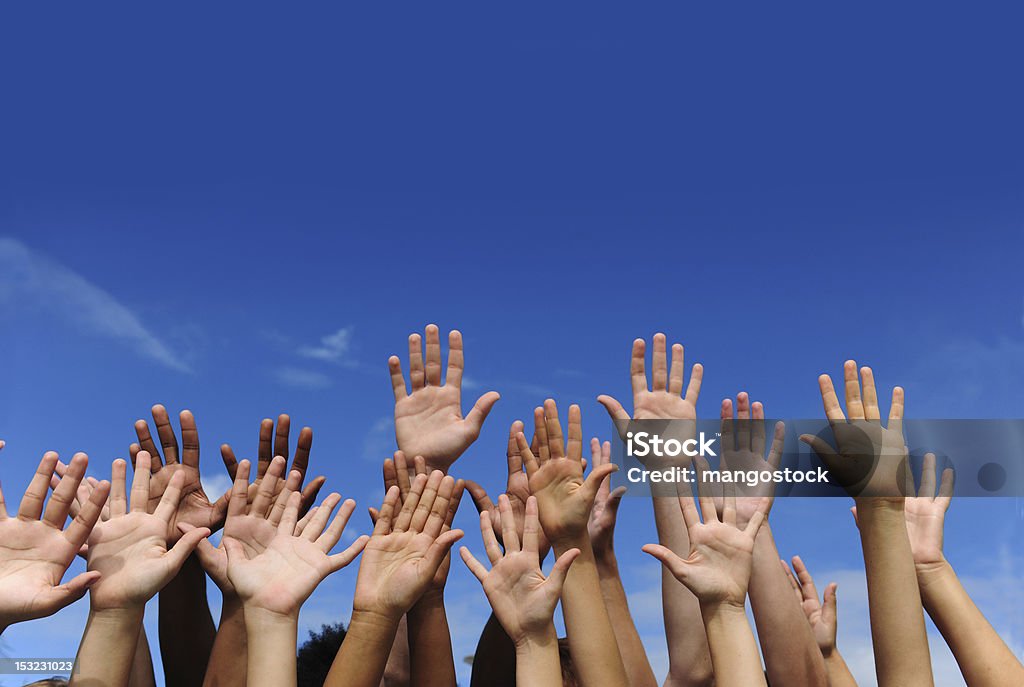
{"points": [[564, 498], [871, 459], [275, 442], [523, 600], [428, 421], [743, 446], [664, 399], [129, 550], [36, 549], [601, 525], [407, 547], [270, 566], [717, 569], [517, 489], [820, 615], [926, 513], [195, 508]]}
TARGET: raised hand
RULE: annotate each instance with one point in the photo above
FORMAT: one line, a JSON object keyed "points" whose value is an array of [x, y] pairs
{"points": [[272, 567], [398, 472], [872, 459], [821, 615], [926, 514], [743, 445], [428, 421], [564, 497], [717, 569], [35, 548], [274, 442], [407, 547], [664, 399], [195, 508], [522, 598], [601, 525], [129, 550], [517, 489]]}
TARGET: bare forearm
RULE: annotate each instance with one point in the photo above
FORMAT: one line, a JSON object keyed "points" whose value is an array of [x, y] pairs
{"points": [[733, 649], [634, 656], [104, 657], [791, 654], [496, 657], [587, 626], [537, 662], [688, 655], [229, 657], [271, 658], [364, 653], [894, 602], [186, 627], [142, 663], [396, 672], [839, 674], [430, 643], [983, 657]]}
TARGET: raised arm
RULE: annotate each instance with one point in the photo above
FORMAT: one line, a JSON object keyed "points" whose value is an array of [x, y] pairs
{"points": [[982, 655], [791, 656], [688, 656], [717, 571], [398, 564], [565, 500], [602, 534], [274, 566], [129, 552], [428, 414], [522, 598], [872, 463]]}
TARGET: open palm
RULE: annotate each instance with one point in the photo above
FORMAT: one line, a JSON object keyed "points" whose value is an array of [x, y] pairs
{"points": [[663, 399], [429, 421]]}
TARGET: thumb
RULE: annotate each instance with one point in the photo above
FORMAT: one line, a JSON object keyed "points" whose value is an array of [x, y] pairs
{"points": [[561, 569], [205, 549], [185, 546], [594, 479], [480, 410], [480, 498], [671, 561], [828, 609], [69, 592], [614, 500]]}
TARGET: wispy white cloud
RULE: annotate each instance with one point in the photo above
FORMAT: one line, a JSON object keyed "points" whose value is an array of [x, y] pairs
{"points": [[30, 279], [300, 378], [333, 348], [215, 485], [379, 442]]}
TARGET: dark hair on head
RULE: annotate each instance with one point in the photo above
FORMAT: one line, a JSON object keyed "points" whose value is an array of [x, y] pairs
{"points": [[569, 678]]}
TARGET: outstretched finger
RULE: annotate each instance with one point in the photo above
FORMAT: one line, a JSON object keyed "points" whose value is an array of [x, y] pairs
{"points": [[433, 359], [475, 566], [164, 430], [659, 364], [63, 497], [35, 496], [332, 535], [189, 439], [676, 371], [854, 406], [696, 379], [138, 501], [637, 372], [397, 378], [81, 525], [455, 359], [561, 569]]}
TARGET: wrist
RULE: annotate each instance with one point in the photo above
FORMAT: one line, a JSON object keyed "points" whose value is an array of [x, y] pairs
{"points": [[607, 564], [932, 571], [723, 609], [258, 618], [572, 540], [874, 504], [536, 639], [121, 616], [431, 600]]}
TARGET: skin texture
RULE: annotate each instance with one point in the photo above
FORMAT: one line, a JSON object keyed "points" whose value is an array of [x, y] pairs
{"points": [[400, 560], [717, 571], [897, 619], [564, 501], [35, 547], [983, 657], [273, 566], [494, 658], [689, 657], [428, 646], [522, 598], [129, 552], [790, 653], [823, 620], [428, 414], [601, 528]]}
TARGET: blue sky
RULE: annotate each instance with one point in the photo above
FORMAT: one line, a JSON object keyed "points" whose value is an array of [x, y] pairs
{"points": [[192, 201]]}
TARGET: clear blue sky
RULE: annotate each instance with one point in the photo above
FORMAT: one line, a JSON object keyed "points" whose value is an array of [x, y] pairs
{"points": [[194, 196]]}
